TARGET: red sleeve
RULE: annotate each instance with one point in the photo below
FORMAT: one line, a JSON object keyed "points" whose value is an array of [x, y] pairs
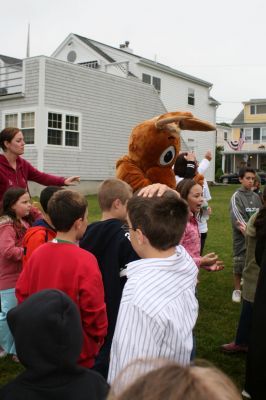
{"points": [[41, 177], [91, 302], [35, 240], [8, 246]]}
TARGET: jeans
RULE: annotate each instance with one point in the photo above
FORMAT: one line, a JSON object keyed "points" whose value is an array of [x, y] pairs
{"points": [[8, 300]]}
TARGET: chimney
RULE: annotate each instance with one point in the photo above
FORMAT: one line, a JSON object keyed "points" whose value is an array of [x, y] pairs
{"points": [[124, 46]]}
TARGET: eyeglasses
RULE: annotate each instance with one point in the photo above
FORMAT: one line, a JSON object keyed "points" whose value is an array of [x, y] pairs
{"points": [[126, 228]]}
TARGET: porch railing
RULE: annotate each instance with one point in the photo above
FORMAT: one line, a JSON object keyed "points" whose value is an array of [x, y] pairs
{"points": [[11, 79]]}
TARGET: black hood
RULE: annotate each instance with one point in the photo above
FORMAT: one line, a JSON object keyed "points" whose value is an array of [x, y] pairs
{"points": [[48, 335]]}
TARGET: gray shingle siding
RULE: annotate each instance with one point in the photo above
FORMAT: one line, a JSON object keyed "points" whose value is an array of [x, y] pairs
{"points": [[109, 106]]}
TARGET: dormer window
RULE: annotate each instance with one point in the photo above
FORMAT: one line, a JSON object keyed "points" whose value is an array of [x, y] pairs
{"points": [[258, 109]]}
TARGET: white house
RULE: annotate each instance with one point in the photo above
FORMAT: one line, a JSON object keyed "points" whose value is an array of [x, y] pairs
{"points": [[178, 91], [223, 134], [76, 120]]}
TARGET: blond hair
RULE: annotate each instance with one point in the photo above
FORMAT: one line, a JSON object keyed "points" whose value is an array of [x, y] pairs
{"points": [[111, 190], [173, 382]]}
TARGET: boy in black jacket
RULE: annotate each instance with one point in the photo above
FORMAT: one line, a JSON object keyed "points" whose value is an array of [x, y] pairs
{"points": [[110, 244]]}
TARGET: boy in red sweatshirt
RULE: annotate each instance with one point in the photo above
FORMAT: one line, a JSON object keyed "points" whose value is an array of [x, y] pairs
{"points": [[61, 264]]}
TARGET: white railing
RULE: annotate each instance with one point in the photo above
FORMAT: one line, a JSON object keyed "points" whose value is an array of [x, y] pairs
{"points": [[11, 79]]}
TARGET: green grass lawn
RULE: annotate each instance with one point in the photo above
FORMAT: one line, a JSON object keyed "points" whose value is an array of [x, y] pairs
{"points": [[218, 316]]}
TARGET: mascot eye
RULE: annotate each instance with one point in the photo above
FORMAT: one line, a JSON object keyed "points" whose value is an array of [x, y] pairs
{"points": [[167, 156]]}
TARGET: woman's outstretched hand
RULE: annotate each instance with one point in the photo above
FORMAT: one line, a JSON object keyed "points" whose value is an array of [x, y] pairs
{"points": [[72, 180]]}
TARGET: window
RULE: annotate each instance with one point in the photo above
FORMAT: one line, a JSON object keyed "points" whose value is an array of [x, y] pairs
{"points": [[72, 127], [146, 78], [55, 133], [26, 122], [256, 135], [191, 97], [156, 82], [263, 135], [248, 135], [63, 129], [27, 127], [225, 135], [258, 109], [11, 120]]}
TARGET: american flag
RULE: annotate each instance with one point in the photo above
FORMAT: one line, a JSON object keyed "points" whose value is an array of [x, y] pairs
{"points": [[237, 144]]}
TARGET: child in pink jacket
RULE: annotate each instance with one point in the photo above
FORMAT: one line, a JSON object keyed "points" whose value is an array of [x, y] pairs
{"points": [[13, 225], [192, 193]]}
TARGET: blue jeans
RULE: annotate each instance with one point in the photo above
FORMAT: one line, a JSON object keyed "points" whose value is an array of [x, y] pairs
{"points": [[244, 324], [8, 300]]}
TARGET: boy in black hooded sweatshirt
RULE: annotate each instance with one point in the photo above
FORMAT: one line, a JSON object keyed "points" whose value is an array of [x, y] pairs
{"points": [[111, 246], [48, 335]]}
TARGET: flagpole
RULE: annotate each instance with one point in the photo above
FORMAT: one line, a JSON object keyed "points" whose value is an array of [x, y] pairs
{"points": [[28, 42]]}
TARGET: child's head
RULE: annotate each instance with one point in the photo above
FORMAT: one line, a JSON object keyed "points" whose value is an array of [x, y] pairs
{"points": [[192, 192], [53, 316], [180, 165], [174, 382], [247, 177], [46, 194], [16, 203], [183, 159], [113, 195], [67, 209], [161, 220]]}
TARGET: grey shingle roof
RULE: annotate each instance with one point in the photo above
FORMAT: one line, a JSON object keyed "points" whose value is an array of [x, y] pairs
{"points": [[10, 60], [239, 119]]}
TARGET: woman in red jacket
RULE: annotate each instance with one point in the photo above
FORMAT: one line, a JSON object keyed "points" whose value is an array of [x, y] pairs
{"points": [[16, 171]]}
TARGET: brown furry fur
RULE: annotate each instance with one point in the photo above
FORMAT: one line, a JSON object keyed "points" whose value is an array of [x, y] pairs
{"points": [[153, 147]]}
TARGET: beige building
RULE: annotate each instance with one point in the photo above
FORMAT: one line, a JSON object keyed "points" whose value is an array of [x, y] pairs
{"points": [[247, 146]]}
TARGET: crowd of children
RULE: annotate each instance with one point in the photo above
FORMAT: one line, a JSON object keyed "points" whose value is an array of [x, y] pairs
{"points": [[103, 295]]}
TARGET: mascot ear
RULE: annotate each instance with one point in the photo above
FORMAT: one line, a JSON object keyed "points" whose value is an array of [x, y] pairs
{"points": [[195, 124], [169, 118]]}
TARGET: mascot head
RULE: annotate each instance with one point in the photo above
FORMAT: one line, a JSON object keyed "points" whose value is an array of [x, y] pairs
{"points": [[154, 146]]}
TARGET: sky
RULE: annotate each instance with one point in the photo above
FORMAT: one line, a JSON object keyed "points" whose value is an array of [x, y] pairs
{"points": [[222, 42]]}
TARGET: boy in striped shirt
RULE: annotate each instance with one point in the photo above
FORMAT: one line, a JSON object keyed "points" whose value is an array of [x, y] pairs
{"points": [[158, 309]]}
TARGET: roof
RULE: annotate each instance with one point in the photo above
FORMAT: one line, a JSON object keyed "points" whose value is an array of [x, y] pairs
{"points": [[93, 44], [10, 60], [255, 101], [239, 120]]}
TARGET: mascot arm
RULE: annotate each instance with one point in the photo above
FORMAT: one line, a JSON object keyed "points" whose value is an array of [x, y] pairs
{"points": [[165, 176], [129, 172]]}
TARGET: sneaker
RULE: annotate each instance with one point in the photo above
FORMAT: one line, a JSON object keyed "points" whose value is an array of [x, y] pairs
{"points": [[232, 348], [3, 353], [15, 358], [245, 394], [236, 296]]}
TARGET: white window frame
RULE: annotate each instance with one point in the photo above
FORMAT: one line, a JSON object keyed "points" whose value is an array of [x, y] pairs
{"points": [[248, 132], [19, 119], [64, 113], [151, 81], [263, 134]]}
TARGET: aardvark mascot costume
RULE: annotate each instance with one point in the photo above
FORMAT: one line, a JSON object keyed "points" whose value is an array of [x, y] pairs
{"points": [[153, 148]]}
